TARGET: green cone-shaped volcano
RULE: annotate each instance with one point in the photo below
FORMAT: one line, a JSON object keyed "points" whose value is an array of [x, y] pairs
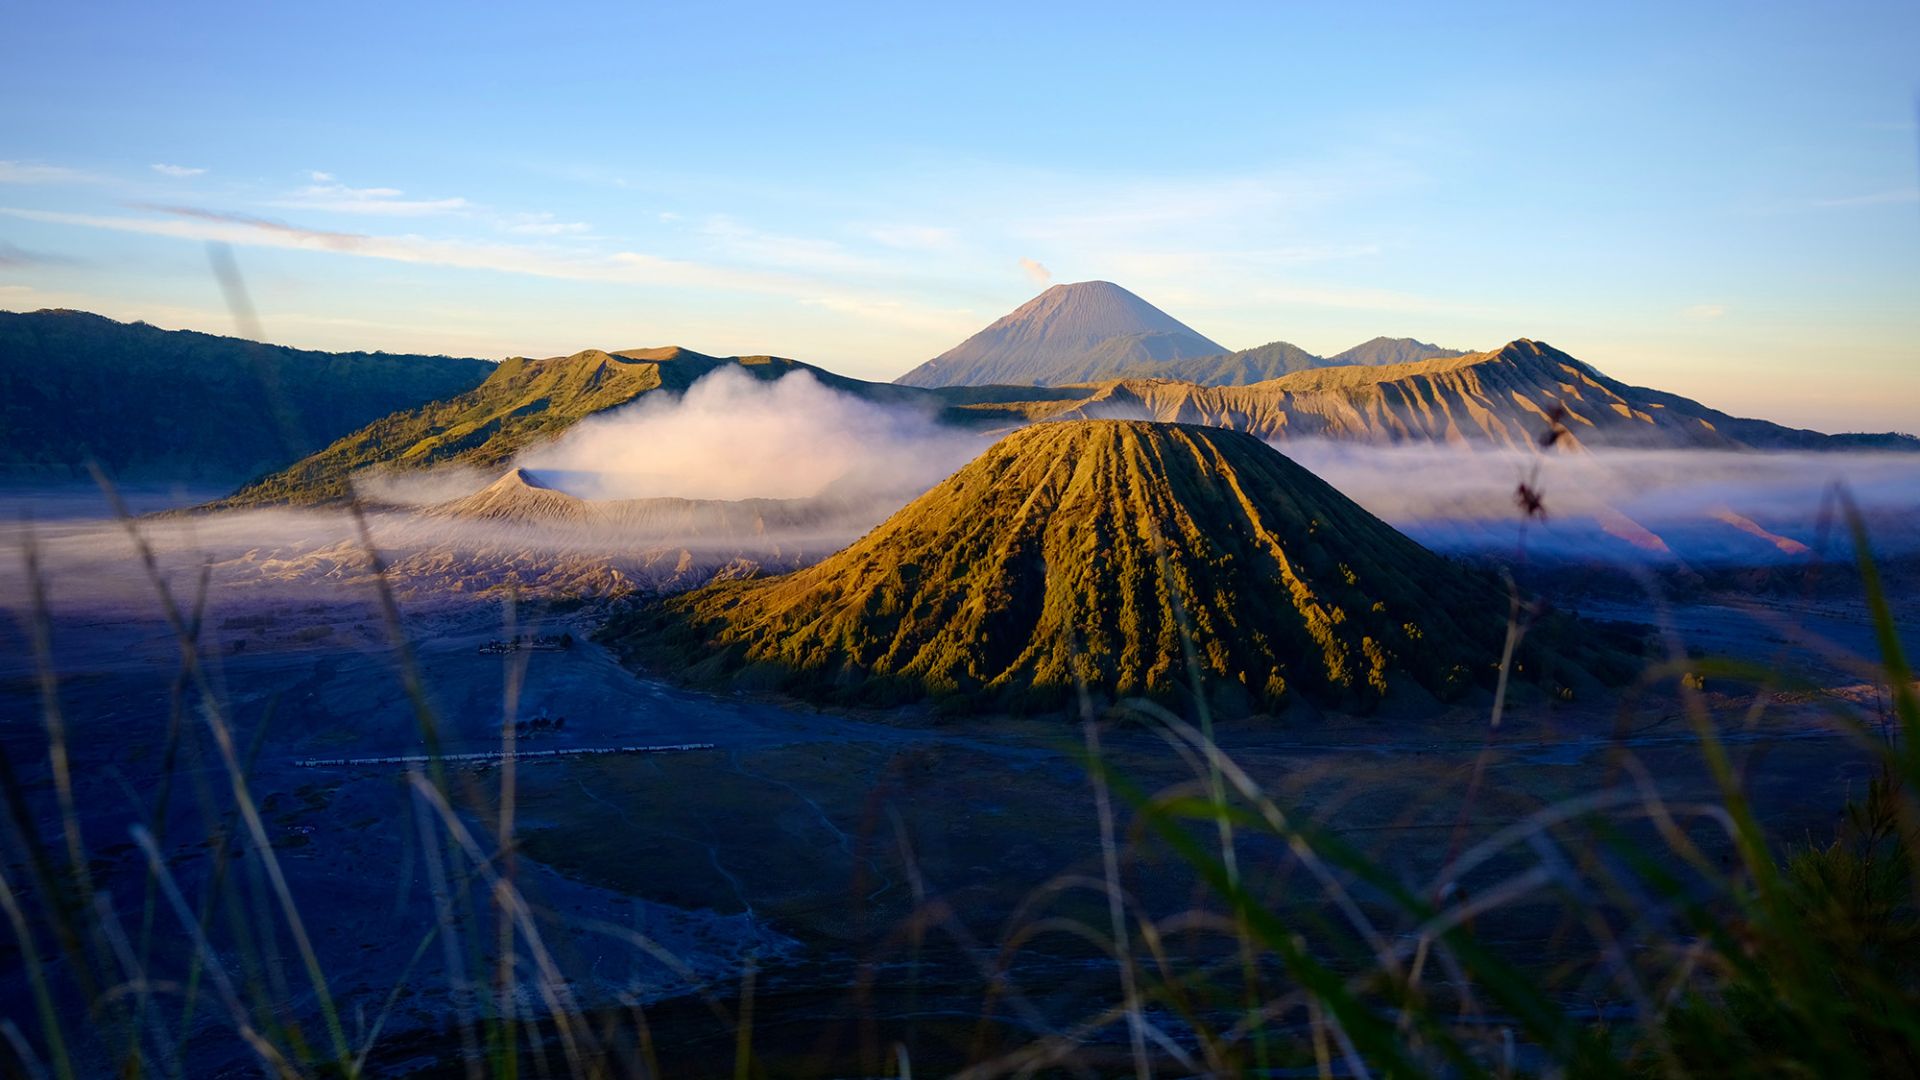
{"points": [[1079, 548]]}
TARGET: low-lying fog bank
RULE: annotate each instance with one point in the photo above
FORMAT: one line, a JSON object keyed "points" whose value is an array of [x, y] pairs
{"points": [[1633, 507], [69, 499], [93, 564]]}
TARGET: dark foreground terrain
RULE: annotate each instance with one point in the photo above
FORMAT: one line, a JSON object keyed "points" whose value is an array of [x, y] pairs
{"points": [[886, 879]]}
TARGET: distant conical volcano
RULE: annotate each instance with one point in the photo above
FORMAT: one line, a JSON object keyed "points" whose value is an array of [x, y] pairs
{"points": [[1070, 333], [1381, 351], [1079, 549]]}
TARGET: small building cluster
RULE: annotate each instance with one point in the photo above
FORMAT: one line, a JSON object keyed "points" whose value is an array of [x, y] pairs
{"points": [[528, 643], [540, 725]]}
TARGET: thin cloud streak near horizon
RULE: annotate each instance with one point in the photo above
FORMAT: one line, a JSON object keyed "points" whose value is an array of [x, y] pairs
{"points": [[619, 267]]}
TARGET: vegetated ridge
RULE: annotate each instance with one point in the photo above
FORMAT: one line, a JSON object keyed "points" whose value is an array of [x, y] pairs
{"points": [[178, 405], [1078, 551], [525, 402]]}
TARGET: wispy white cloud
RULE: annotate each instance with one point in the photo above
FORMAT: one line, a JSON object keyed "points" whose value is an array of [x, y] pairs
{"points": [[195, 223], [240, 225], [32, 172], [454, 333], [1036, 273], [742, 242], [1115, 212], [178, 172], [327, 195], [620, 267], [934, 321], [15, 257]]}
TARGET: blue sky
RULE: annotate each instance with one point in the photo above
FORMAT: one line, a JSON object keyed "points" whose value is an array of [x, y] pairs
{"points": [[1716, 199]]}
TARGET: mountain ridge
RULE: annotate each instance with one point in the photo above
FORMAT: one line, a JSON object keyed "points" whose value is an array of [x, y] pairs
{"points": [[178, 404], [1504, 397], [1258, 364], [1278, 358]]}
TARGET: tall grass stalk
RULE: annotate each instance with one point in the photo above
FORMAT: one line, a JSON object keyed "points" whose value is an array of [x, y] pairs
{"points": [[212, 711]]}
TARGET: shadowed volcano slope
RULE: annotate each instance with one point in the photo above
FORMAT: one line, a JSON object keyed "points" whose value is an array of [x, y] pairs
{"points": [[147, 403], [1071, 547]]}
